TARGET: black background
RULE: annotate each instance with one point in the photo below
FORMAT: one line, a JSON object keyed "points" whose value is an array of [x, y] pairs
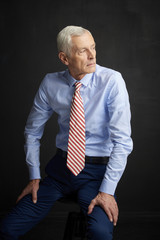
{"points": [[127, 37]]}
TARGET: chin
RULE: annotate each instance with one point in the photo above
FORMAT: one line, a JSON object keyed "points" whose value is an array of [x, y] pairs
{"points": [[91, 69]]}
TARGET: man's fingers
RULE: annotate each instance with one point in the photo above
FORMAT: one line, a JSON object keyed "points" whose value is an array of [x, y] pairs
{"points": [[34, 192], [114, 215], [31, 188], [23, 193], [114, 219], [109, 214], [34, 196], [108, 204], [91, 206], [19, 197]]}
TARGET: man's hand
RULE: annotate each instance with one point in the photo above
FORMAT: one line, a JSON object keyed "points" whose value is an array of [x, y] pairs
{"points": [[32, 188], [109, 205]]}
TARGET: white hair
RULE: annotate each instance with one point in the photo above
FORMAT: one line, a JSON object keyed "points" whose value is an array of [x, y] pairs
{"points": [[64, 37]]}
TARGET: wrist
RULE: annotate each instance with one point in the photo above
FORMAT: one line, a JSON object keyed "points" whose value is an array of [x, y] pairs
{"points": [[35, 180]]}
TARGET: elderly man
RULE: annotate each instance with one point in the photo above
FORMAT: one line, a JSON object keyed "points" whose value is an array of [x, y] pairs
{"points": [[93, 141]]}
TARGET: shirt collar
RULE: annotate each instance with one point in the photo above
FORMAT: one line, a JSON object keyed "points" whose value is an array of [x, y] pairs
{"points": [[85, 80]]}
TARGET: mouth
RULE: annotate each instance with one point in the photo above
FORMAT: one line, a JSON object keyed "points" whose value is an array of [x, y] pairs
{"points": [[91, 65]]}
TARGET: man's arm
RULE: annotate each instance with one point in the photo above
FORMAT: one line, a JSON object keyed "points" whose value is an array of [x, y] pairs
{"points": [[40, 113], [119, 129]]}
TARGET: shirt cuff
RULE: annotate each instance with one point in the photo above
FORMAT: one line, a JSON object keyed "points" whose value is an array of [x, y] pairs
{"points": [[108, 187], [34, 173]]}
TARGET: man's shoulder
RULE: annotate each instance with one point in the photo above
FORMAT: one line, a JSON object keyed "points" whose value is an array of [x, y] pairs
{"points": [[107, 78], [54, 76], [54, 79], [104, 75], [105, 71]]}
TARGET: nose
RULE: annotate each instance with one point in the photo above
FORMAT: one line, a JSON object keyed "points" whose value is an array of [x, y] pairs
{"points": [[91, 54]]}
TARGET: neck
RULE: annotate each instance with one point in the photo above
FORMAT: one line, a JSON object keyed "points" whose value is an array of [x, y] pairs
{"points": [[78, 77]]}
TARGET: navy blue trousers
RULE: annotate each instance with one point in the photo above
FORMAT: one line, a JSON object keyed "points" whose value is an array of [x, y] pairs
{"points": [[59, 183]]}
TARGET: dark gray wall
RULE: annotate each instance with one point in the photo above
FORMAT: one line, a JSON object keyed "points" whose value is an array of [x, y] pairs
{"points": [[127, 37]]}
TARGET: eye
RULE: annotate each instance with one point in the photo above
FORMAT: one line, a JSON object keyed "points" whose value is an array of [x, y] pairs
{"points": [[82, 50]]}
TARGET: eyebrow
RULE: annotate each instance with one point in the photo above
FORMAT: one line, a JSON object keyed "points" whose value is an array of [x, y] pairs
{"points": [[93, 45]]}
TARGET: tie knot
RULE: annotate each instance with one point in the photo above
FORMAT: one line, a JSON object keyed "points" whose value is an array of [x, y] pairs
{"points": [[78, 85]]}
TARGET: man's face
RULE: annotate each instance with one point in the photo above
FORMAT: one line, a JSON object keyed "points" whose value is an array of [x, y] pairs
{"points": [[82, 59]]}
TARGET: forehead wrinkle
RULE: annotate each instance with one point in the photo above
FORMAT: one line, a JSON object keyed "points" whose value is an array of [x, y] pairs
{"points": [[83, 35], [76, 47]]}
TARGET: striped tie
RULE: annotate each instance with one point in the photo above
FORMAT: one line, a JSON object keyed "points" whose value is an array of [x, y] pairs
{"points": [[76, 141]]}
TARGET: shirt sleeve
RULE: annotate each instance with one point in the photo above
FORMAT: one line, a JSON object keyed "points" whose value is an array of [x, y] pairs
{"points": [[120, 133], [40, 113]]}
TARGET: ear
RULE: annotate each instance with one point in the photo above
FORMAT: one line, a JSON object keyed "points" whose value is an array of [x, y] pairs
{"points": [[63, 57]]}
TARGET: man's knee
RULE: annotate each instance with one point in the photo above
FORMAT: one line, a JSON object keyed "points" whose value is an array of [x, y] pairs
{"points": [[99, 231]]}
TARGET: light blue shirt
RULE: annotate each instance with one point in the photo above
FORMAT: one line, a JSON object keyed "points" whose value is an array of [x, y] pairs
{"points": [[107, 117]]}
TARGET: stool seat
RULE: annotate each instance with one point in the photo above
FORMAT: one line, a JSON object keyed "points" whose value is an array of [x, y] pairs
{"points": [[75, 227]]}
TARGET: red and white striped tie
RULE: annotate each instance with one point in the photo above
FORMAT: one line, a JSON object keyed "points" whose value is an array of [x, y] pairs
{"points": [[76, 141]]}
